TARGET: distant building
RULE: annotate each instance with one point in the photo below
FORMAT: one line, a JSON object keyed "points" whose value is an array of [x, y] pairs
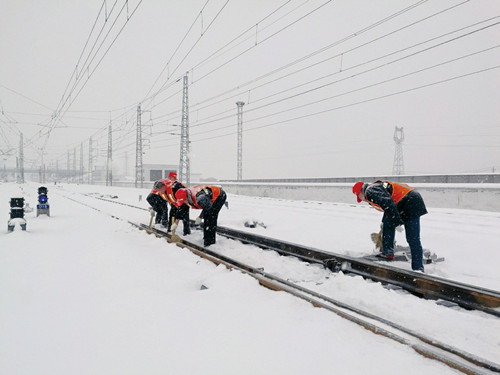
{"points": [[154, 172]]}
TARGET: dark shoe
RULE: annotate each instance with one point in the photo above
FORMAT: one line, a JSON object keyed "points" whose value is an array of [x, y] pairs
{"points": [[208, 243], [383, 256]]}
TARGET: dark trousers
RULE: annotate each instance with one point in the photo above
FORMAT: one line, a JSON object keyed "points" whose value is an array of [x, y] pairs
{"points": [[182, 216], [162, 214], [161, 208], [412, 229], [210, 217]]}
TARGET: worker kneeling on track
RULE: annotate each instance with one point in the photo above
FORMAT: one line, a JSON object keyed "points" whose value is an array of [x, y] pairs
{"points": [[209, 199]]}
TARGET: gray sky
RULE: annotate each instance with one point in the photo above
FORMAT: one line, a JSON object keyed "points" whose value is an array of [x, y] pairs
{"points": [[324, 83]]}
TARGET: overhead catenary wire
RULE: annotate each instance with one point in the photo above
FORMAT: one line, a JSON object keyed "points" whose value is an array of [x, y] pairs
{"points": [[233, 58], [62, 108], [126, 126], [288, 25], [194, 44], [275, 123], [174, 53], [253, 109], [304, 58]]}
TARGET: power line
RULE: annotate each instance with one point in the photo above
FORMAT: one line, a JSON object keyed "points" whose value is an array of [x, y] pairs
{"points": [[353, 35], [355, 75], [347, 105]]}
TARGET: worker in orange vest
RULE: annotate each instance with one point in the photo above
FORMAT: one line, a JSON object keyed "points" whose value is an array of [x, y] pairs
{"points": [[158, 204], [171, 187], [401, 205], [210, 200], [166, 189]]}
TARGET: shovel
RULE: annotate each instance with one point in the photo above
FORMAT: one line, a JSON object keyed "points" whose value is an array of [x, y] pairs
{"points": [[174, 237], [151, 222]]}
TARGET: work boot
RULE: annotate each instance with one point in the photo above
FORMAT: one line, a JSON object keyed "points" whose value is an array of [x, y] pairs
{"points": [[383, 256]]}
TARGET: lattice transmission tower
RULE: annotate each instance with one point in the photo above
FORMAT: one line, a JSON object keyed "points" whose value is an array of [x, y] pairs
{"points": [[184, 168], [398, 167], [240, 140]]}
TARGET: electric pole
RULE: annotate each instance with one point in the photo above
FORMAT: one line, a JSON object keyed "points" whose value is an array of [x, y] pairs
{"points": [[21, 160], [398, 165], [139, 174], [80, 179], [74, 165], [184, 168], [240, 140], [109, 161], [90, 162]]}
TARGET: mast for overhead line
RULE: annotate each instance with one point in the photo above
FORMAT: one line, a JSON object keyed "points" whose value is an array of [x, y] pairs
{"points": [[74, 166], [90, 162], [67, 167], [240, 139], [139, 175], [80, 178], [109, 161], [21, 160], [184, 167], [398, 165]]}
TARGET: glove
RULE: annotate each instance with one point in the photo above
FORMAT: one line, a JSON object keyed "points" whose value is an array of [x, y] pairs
{"points": [[173, 228], [197, 221], [151, 210], [377, 240]]}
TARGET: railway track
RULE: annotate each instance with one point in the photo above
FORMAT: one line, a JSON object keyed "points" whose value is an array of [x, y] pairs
{"points": [[467, 296], [426, 346], [426, 286], [423, 285]]}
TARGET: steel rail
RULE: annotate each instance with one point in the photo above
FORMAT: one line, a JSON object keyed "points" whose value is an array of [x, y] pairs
{"points": [[421, 284], [428, 347]]}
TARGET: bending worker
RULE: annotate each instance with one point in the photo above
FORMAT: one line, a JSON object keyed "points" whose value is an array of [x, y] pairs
{"points": [[158, 203], [401, 204], [171, 188], [163, 193], [210, 200]]}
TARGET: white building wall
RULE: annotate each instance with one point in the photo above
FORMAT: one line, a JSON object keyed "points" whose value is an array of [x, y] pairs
{"points": [[484, 197]]}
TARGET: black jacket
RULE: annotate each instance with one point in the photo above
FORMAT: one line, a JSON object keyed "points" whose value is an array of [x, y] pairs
{"points": [[409, 207]]}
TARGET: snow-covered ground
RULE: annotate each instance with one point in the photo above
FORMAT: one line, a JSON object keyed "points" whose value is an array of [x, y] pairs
{"points": [[84, 293]]}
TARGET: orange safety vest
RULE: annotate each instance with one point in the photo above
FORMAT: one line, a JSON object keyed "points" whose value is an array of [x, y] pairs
{"points": [[169, 193], [398, 192], [161, 191], [166, 191], [191, 201]]}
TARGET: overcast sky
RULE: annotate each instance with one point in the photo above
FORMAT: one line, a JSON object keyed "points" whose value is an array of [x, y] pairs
{"points": [[324, 83]]}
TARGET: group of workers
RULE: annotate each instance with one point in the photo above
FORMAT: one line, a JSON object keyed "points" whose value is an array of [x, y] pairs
{"points": [[400, 203], [170, 192]]}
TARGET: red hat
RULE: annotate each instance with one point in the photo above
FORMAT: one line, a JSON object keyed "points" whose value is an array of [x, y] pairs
{"points": [[356, 189], [172, 176], [180, 196]]}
